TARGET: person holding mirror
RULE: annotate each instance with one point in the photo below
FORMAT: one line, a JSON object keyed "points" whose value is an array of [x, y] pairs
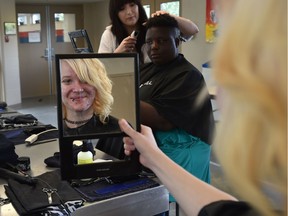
{"points": [[127, 16], [251, 138], [86, 97]]}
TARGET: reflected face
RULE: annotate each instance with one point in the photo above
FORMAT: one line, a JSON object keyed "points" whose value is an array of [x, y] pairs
{"points": [[77, 96], [162, 46], [129, 14]]}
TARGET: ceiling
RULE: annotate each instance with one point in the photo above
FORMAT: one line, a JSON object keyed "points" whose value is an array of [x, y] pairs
{"points": [[55, 1]]}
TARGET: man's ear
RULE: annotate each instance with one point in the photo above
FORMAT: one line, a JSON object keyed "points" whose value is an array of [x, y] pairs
{"points": [[177, 42]]}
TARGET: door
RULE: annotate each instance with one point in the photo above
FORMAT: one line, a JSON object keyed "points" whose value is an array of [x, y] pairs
{"points": [[64, 20], [42, 33]]}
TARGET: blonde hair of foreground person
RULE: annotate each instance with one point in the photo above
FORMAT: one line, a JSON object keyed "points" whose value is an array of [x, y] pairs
{"points": [[93, 72], [250, 65]]}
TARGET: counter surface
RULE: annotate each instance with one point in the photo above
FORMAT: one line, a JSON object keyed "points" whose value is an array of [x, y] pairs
{"points": [[145, 202]]}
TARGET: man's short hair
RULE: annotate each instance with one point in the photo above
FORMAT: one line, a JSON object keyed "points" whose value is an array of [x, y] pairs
{"points": [[163, 20]]}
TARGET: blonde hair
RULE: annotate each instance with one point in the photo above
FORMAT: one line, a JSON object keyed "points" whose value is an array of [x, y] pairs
{"points": [[93, 72], [250, 65]]}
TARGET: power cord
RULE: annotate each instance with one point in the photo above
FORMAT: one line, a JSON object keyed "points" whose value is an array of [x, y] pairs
{"points": [[33, 138]]}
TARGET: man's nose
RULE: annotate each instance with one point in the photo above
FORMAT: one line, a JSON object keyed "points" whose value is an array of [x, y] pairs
{"points": [[155, 44]]}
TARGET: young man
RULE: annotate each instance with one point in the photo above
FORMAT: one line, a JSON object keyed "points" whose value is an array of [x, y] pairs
{"points": [[174, 100]]}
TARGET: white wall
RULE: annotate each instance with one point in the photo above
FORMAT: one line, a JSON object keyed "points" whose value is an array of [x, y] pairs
{"points": [[96, 18], [10, 90], [197, 51]]}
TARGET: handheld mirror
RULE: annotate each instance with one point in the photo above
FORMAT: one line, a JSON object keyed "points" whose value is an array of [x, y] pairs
{"points": [[93, 92]]}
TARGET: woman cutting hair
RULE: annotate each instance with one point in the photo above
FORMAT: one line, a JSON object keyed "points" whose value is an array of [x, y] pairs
{"points": [[127, 16]]}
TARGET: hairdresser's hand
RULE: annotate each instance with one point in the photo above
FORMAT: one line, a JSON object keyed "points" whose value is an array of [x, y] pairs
{"points": [[127, 45], [187, 27], [144, 142], [157, 13]]}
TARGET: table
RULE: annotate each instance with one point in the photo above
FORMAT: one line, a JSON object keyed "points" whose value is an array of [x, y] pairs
{"points": [[7, 110], [145, 202]]}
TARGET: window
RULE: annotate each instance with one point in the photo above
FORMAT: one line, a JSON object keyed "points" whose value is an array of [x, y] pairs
{"points": [[64, 23], [171, 6], [29, 27]]}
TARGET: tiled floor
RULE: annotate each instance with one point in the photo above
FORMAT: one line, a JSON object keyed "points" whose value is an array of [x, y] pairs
{"points": [[45, 109]]}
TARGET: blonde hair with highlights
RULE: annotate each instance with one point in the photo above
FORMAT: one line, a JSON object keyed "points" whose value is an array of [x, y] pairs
{"points": [[250, 65], [93, 72]]}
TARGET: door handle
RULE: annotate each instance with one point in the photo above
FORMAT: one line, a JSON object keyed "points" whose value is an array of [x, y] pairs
{"points": [[48, 53], [46, 57]]}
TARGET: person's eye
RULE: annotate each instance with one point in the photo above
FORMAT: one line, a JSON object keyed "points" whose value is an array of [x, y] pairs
{"points": [[84, 82], [132, 4], [66, 81], [162, 41], [149, 42]]}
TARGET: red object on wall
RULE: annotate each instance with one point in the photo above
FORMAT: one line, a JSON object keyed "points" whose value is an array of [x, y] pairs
{"points": [[60, 35], [211, 22], [6, 38]]}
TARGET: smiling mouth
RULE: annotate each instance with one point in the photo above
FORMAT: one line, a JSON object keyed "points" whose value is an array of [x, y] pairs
{"points": [[131, 18], [77, 99]]}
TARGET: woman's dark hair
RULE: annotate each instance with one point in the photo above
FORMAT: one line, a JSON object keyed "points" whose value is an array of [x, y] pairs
{"points": [[118, 28]]}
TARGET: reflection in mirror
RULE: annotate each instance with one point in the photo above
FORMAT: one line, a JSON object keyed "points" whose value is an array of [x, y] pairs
{"points": [[86, 92], [86, 151], [94, 91]]}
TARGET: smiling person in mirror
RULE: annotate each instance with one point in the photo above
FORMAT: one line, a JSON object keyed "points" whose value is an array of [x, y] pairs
{"points": [[86, 97]]}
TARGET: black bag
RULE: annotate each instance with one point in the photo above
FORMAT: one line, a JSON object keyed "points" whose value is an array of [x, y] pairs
{"points": [[21, 119], [31, 200], [18, 121], [7, 152]]}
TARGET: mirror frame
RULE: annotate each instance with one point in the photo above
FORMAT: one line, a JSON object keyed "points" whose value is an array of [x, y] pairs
{"points": [[69, 170], [81, 33]]}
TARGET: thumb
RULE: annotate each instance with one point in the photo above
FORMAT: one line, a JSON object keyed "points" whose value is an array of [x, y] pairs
{"points": [[126, 128]]}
